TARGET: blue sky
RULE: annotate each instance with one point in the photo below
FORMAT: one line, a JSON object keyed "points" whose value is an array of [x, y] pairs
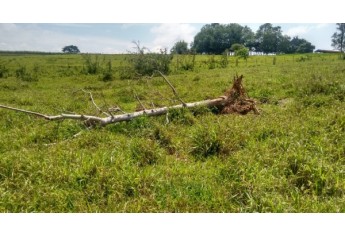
{"points": [[118, 37], [107, 26]]}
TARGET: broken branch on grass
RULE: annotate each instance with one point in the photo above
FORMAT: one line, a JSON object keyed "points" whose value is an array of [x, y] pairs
{"points": [[94, 103], [141, 104], [171, 86], [235, 100]]}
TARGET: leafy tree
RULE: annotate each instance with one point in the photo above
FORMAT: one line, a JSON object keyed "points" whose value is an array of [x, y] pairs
{"points": [[242, 53], [248, 37], [236, 46], [70, 49], [180, 47], [305, 47], [338, 38], [284, 45], [216, 38], [267, 38], [301, 46]]}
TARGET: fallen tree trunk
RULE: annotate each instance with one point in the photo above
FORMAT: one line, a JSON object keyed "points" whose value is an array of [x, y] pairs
{"points": [[235, 100]]}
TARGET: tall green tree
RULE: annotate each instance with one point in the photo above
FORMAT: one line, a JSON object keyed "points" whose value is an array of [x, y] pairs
{"points": [[284, 45], [248, 37], [267, 38], [216, 38], [180, 47], [300, 46], [338, 38]]}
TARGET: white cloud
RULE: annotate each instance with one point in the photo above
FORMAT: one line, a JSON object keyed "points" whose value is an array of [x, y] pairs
{"points": [[304, 29], [166, 35], [298, 30], [31, 37], [321, 25]]}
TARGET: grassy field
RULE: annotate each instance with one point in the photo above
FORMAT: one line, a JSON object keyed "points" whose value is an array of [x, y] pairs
{"points": [[290, 158]]}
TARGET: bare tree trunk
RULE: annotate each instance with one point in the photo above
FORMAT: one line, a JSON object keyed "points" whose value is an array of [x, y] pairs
{"points": [[235, 100]]}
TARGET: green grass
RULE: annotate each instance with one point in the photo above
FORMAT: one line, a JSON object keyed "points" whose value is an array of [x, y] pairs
{"points": [[291, 158]]}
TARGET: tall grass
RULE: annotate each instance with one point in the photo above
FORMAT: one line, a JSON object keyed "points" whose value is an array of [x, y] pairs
{"points": [[290, 158]]}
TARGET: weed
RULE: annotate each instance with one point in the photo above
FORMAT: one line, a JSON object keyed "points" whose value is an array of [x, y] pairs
{"points": [[211, 62], [224, 62], [92, 64], [108, 74], [148, 63]]}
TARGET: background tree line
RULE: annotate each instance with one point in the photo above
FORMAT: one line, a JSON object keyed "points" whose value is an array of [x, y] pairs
{"points": [[217, 38]]}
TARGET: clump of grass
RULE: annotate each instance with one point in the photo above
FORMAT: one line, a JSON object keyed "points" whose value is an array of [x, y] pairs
{"points": [[126, 72], [200, 111], [303, 58], [3, 71], [197, 78], [320, 85], [206, 142], [185, 62], [311, 178], [108, 73], [144, 152], [211, 62], [320, 90], [181, 116], [224, 62], [92, 64], [23, 74], [164, 139], [139, 127]]}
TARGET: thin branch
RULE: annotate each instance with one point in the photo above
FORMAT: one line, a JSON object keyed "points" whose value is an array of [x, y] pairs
{"points": [[115, 109], [141, 104], [56, 117], [26, 111], [106, 104], [172, 87], [153, 105], [94, 103]]}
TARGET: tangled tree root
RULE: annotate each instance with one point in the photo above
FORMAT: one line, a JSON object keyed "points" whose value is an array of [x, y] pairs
{"points": [[237, 100]]}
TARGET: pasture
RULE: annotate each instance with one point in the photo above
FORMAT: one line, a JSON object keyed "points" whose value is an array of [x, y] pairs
{"points": [[290, 158]]}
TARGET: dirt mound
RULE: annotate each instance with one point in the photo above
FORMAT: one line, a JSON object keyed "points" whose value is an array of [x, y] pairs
{"points": [[237, 100]]}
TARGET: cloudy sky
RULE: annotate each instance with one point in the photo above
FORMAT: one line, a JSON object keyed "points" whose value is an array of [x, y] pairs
{"points": [[118, 37], [50, 25]]}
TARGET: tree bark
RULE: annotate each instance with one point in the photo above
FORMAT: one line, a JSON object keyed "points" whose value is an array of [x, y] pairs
{"points": [[235, 100]]}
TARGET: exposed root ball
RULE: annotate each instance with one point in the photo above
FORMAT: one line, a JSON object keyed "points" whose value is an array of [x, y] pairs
{"points": [[237, 99]]}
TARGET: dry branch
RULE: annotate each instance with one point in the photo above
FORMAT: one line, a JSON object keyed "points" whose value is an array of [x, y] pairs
{"points": [[171, 86], [235, 100]]}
